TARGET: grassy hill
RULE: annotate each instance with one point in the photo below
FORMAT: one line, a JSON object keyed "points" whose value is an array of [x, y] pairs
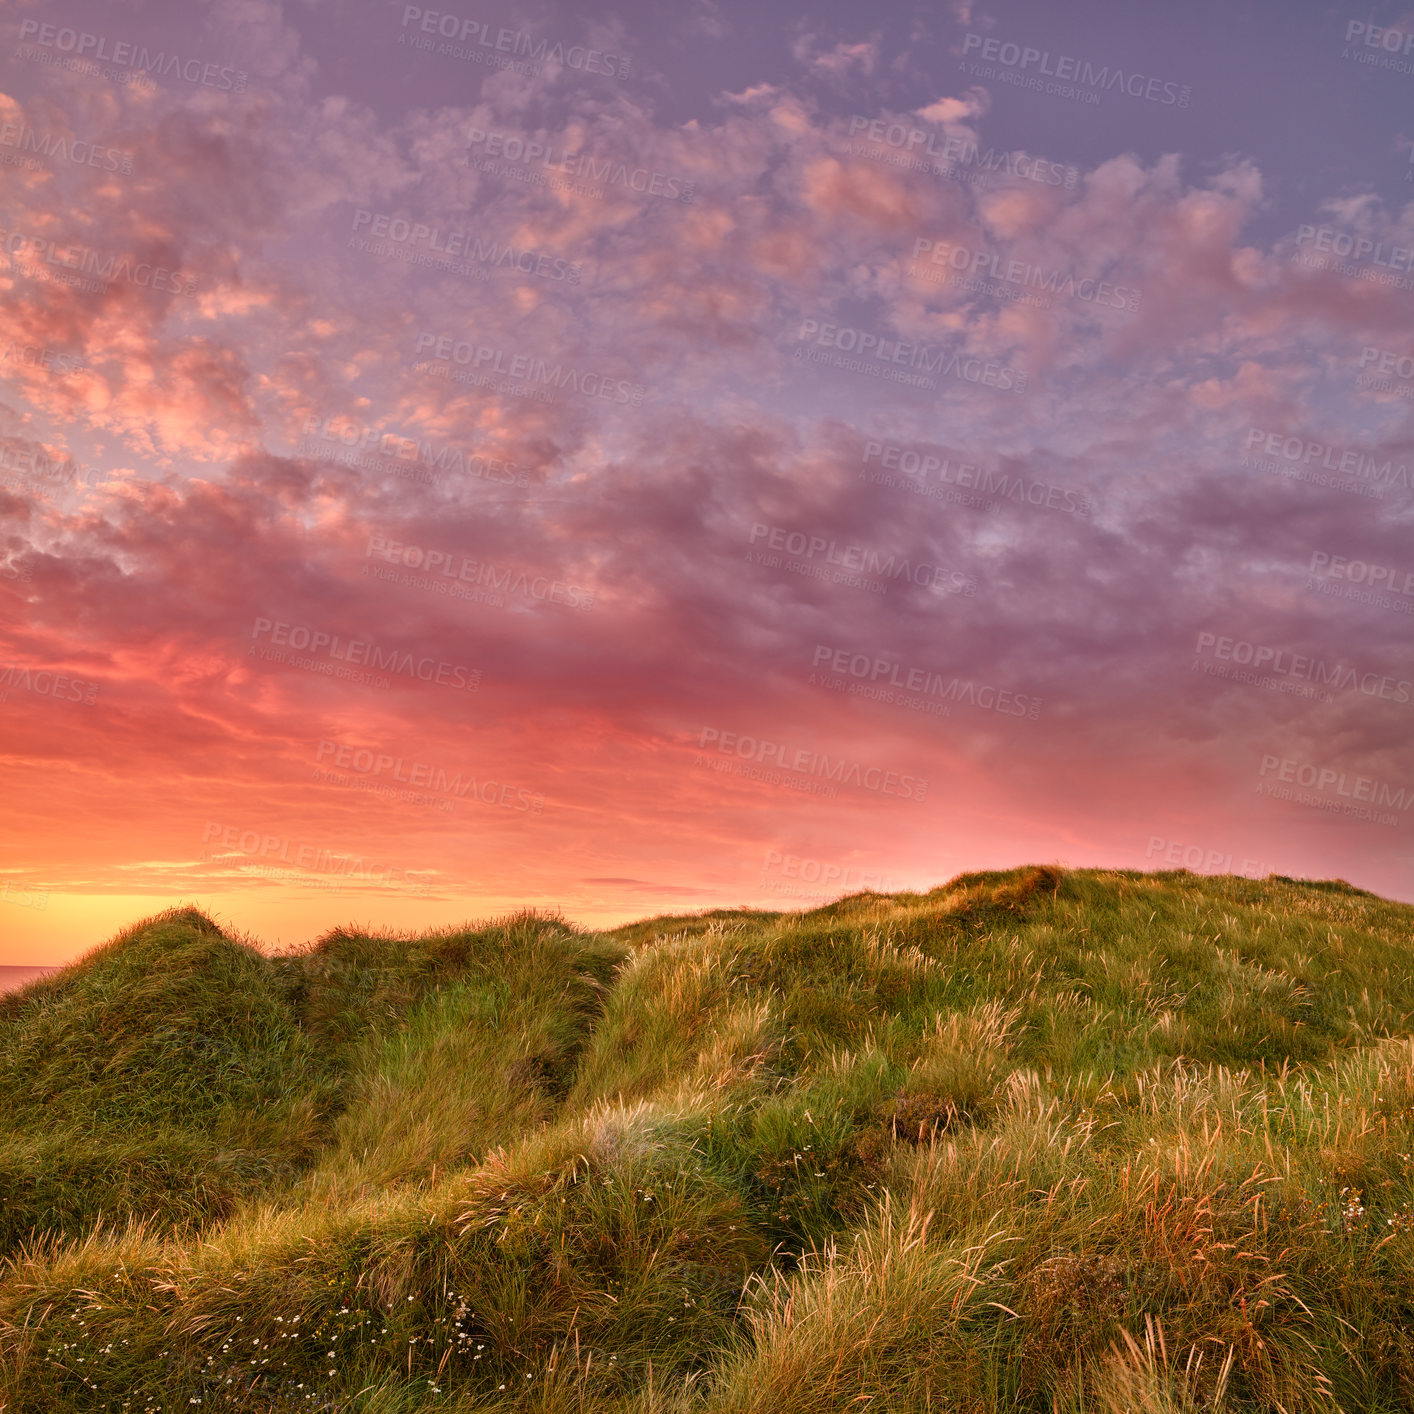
{"points": [[1038, 1139]]}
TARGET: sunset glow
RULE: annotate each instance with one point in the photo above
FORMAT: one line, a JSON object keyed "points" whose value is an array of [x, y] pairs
{"points": [[631, 459]]}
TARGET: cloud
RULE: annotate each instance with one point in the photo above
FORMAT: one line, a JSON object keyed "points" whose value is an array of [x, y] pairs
{"points": [[763, 434], [840, 60]]}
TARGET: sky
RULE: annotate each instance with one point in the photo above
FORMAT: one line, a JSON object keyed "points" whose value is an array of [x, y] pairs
{"points": [[627, 459]]}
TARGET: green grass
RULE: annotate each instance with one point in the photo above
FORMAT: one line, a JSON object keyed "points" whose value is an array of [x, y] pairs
{"points": [[1038, 1139]]}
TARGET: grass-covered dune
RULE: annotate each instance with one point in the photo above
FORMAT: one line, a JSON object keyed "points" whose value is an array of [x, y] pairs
{"points": [[1040, 1140]]}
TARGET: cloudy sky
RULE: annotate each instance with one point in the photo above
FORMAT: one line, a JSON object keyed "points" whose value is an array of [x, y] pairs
{"points": [[630, 458]]}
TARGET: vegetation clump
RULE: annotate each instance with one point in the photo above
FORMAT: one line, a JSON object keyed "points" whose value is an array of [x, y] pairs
{"points": [[1038, 1139]]}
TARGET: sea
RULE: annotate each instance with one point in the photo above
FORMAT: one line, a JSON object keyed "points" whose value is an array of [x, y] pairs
{"points": [[12, 977]]}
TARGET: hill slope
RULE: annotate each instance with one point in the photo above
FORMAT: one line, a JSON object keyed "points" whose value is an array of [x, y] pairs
{"points": [[1036, 1139]]}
